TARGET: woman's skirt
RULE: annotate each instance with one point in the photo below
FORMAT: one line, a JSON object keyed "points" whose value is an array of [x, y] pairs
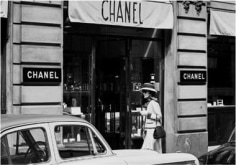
{"points": [[150, 143]]}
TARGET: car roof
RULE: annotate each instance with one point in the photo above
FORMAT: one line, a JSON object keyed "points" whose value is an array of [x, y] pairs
{"points": [[9, 120]]}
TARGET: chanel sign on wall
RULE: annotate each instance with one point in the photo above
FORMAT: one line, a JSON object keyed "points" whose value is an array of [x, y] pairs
{"points": [[41, 75], [187, 76]]}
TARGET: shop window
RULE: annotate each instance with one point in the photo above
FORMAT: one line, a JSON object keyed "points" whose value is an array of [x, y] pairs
{"points": [[77, 72], [221, 70], [221, 88]]}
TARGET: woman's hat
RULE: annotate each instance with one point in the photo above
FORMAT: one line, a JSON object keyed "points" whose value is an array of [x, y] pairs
{"points": [[148, 87]]}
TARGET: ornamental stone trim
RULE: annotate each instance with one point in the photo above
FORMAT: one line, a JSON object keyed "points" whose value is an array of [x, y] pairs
{"points": [[197, 3]]}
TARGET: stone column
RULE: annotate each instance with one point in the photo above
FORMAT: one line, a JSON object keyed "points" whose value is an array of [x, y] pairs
{"points": [[36, 41], [185, 98]]}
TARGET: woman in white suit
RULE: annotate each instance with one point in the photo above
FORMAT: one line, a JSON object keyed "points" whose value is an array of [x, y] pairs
{"points": [[153, 117]]}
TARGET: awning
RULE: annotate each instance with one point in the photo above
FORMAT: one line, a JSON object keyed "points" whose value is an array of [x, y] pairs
{"points": [[222, 23], [139, 13], [3, 8]]}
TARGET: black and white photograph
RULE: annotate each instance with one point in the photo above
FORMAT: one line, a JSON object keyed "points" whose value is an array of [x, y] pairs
{"points": [[117, 82]]}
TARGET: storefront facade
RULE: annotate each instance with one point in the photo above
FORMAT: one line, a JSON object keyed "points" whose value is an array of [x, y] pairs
{"points": [[56, 63]]}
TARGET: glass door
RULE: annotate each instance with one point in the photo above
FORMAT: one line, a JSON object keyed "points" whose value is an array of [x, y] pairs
{"points": [[111, 90], [122, 66], [102, 78]]}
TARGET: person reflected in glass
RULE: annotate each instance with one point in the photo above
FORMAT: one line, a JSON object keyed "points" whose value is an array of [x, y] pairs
{"points": [[152, 112]]}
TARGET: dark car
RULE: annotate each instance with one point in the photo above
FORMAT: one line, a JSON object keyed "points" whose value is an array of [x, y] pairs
{"points": [[224, 154]]}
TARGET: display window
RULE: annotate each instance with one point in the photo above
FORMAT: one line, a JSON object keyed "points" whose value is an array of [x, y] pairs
{"points": [[221, 88], [221, 70], [77, 81]]}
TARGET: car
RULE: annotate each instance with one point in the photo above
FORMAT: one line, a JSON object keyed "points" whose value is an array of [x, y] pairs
{"points": [[67, 140], [224, 154]]}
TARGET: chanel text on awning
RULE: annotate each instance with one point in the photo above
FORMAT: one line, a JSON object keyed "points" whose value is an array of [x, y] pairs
{"points": [[124, 11]]}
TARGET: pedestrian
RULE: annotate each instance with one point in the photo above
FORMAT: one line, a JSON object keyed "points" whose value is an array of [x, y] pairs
{"points": [[152, 112]]}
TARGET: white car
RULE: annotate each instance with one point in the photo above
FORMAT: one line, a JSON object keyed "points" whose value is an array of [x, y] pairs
{"points": [[64, 140]]}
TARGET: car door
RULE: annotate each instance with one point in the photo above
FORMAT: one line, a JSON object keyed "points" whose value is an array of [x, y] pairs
{"points": [[27, 144], [79, 142]]}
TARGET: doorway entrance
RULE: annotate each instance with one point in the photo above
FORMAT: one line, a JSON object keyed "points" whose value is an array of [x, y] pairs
{"points": [[112, 90], [103, 73], [122, 65]]}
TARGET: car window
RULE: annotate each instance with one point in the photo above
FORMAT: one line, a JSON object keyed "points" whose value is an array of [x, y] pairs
{"points": [[25, 146], [98, 144], [77, 141]]}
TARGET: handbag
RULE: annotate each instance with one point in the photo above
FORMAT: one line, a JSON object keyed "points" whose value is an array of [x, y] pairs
{"points": [[159, 132]]}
